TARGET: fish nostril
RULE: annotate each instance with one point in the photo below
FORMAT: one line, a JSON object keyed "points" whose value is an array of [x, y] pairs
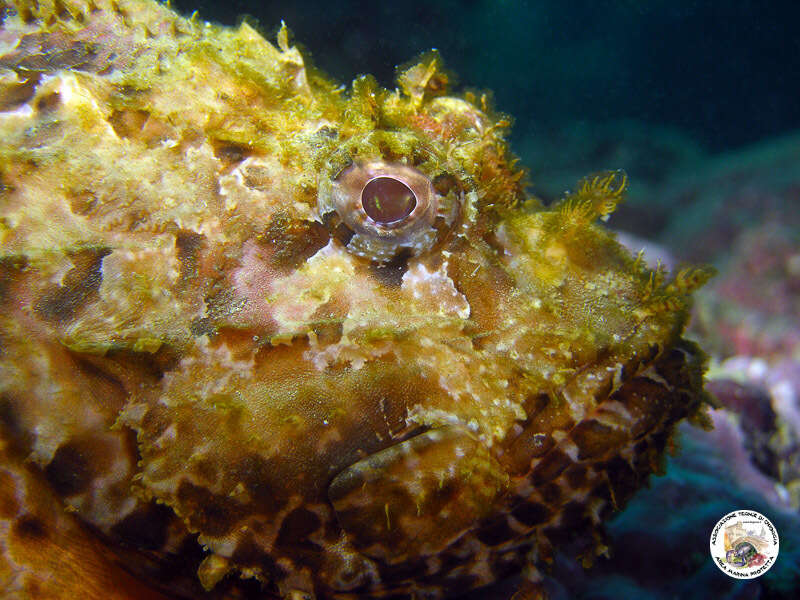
{"points": [[387, 200]]}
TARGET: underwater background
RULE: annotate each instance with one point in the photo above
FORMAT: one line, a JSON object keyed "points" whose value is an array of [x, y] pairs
{"points": [[699, 102]]}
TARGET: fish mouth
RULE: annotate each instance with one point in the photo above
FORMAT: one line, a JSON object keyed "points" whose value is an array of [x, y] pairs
{"points": [[416, 497]]}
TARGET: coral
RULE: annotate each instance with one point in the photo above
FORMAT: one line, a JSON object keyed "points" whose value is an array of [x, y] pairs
{"points": [[751, 308], [764, 400]]}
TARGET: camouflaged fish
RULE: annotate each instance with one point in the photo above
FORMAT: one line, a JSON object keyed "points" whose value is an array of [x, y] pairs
{"points": [[264, 336]]}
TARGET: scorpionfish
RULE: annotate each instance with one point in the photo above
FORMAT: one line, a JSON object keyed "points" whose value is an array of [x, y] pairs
{"points": [[262, 335]]}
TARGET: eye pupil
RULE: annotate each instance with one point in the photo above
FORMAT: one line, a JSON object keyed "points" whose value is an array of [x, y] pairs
{"points": [[387, 200]]}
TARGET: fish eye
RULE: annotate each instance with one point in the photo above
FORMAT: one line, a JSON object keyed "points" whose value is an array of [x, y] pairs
{"points": [[387, 200], [382, 198], [387, 208]]}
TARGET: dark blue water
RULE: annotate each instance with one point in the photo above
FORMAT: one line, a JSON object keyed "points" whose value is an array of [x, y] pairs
{"points": [[726, 73]]}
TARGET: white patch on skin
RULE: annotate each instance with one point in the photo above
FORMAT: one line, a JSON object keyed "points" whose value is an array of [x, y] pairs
{"points": [[222, 357], [99, 504], [289, 300], [296, 297], [436, 289], [23, 112], [347, 351], [231, 187], [135, 295], [74, 97], [615, 414], [165, 439], [331, 273], [576, 406], [433, 416], [569, 448], [258, 186], [61, 265]]}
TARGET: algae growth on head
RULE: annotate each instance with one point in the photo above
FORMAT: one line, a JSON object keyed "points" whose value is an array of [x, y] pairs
{"points": [[264, 336]]}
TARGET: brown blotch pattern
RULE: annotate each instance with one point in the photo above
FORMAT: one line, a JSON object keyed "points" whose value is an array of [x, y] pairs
{"points": [[71, 471], [13, 96], [262, 478], [595, 439], [250, 554], [292, 241], [10, 421], [496, 531], [30, 528], [146, 527], [297, 526], [189, 246], [128, 123], [41, 53], [11, 267], [9, 505], [62, 302], [391, 273], [531, 513], [204, 511], [550, 467], [82, 202], [230, 153], [48, 102], [76, 463]]}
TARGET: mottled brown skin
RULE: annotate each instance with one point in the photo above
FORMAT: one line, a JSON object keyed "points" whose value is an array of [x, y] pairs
{"points": [[241, 376]]}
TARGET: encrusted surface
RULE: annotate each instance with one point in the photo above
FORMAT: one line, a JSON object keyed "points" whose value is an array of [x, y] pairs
{"points": [[203, 336]]}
